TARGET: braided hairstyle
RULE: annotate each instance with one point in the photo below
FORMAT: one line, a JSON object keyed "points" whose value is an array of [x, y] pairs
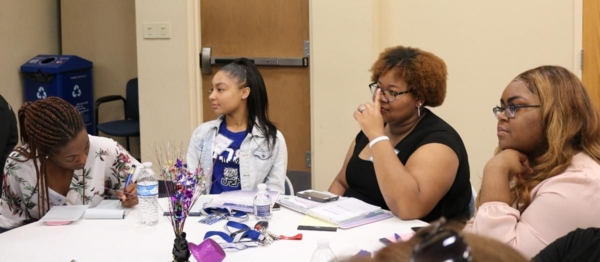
{"points": [[46, 126]]}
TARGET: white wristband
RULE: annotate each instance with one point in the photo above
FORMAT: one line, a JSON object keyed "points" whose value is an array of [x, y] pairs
{"points": [[378, 139]]}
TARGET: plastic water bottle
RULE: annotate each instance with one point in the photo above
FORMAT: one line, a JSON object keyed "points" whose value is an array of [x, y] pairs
{"points": [[147, 189], [263, 205], [323, 252]]}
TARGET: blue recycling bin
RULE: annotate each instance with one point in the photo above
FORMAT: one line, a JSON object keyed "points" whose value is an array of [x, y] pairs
{"points": [[66, 76]]}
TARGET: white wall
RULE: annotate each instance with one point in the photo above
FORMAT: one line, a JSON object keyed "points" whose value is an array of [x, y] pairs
{"points": [[104, 32], [27, 28], [484, 43], [168, 74]]}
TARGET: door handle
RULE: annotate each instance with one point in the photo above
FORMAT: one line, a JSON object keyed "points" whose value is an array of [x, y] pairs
{"points": [[207, 61]]}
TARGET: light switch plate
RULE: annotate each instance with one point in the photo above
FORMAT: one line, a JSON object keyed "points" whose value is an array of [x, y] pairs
{"points": [[157, 30], [164, 30], [149, 31]]}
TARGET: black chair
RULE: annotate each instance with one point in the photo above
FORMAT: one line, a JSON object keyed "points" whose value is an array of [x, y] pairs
{"points": [[128, 127]]}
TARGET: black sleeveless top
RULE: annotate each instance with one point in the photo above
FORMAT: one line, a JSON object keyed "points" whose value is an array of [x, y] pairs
{"points": [[362, 182]]}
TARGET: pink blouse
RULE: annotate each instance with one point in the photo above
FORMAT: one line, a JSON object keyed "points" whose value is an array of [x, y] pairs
{"points": [[559, 205]]}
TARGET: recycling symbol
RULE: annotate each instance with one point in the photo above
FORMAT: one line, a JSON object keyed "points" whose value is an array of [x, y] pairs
{"points": [[76, 91], [41, 93]]}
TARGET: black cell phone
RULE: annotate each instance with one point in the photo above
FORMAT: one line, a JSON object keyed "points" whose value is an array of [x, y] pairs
{"points": [[317, 196], [276, 206]]}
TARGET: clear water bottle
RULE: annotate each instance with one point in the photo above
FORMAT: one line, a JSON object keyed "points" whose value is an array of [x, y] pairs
{"points": [[323, 252], [147, 189], [263, 205]]}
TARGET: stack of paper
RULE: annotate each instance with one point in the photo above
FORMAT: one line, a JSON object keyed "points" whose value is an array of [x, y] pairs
{"points": [[63, 214], [241, 200]]}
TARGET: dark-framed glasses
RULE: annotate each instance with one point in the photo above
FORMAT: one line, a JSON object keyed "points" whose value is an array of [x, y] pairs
{"points": [[510, 111], [440, 244], [388, 94]]}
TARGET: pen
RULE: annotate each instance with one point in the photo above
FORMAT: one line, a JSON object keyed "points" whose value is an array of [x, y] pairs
{"points": [[128, 181]]}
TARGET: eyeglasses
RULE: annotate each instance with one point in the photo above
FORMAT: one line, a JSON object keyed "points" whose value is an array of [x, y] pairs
{"points": [[510, 111], [440, 244], [388, 94]]}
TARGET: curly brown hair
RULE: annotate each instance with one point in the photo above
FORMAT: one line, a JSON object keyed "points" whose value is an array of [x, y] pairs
{"points": [[424, 72]]}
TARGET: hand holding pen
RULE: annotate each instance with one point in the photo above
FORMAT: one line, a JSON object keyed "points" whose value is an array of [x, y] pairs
{"points": [[128, 196]]}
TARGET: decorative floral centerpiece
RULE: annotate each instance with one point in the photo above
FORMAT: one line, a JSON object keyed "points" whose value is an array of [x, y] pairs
{"points": [[184, 187]]}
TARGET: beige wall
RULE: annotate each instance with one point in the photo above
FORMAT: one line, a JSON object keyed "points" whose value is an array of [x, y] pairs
{"points": [[27, 28], [104, 32], [343, 45], [168, 72], [485, 44]]}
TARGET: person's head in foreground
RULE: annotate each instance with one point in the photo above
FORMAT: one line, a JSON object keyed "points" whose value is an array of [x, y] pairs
{"points": [[442, 242]]}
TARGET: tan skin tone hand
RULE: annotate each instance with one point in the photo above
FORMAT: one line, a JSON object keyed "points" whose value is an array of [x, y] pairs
{"points": [[60, 168], [129, 197], [411, 191], [498, 172]]}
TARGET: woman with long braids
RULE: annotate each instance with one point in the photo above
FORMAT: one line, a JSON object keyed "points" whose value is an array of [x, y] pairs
{"points": [[243, 145], [52, 167]]}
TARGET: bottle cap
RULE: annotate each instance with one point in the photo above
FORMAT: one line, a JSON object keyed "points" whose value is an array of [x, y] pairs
{"points": [[147, 164], [262, 187], [323, 242]]}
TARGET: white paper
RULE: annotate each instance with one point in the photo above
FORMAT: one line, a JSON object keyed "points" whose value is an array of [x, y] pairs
{"points": [[107, 209], [64, 213], [342, 210], [241, 200]]}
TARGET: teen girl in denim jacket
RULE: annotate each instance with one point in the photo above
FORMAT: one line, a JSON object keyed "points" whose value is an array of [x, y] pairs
{"points": [[241, 148]]}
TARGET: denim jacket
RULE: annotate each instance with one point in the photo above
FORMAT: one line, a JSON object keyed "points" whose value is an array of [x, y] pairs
{"points": [[258, 164]]}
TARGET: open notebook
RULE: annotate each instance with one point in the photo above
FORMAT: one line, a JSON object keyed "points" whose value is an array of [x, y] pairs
{"points": [[346, 212], [106, 209]]}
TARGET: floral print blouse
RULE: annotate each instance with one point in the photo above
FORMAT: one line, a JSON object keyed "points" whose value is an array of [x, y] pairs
{"points": [[105, 171]]}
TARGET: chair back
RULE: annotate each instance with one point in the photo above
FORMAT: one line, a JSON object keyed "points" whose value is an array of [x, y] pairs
{"points": [[289, 188], [132, 105], [472, 202]]}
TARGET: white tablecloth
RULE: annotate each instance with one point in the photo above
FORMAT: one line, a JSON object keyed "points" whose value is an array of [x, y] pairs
{"points": [[126, 240]]}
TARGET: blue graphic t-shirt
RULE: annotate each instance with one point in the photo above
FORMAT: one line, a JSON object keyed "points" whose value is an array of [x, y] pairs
{"points": [[226, 171]]}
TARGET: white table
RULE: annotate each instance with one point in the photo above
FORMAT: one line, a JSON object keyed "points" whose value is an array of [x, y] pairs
{"points": [[126, 240]]}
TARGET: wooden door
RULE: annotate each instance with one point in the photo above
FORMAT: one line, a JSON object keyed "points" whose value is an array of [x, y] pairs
{"points": [[591, 49], [261, 29]]}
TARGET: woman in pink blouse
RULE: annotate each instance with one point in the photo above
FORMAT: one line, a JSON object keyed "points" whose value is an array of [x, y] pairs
{"points": [[545, 179]]}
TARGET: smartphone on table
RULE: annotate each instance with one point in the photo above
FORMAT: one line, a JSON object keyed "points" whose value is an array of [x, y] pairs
{"points": [[317, 196]]}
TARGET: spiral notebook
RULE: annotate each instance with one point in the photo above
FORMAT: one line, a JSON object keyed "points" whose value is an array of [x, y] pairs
{"points": [[346, 212]]}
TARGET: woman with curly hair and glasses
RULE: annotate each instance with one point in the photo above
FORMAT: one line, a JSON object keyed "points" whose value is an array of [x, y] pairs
{"points": [[407, 159], [545, 179], [60, 164]]}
